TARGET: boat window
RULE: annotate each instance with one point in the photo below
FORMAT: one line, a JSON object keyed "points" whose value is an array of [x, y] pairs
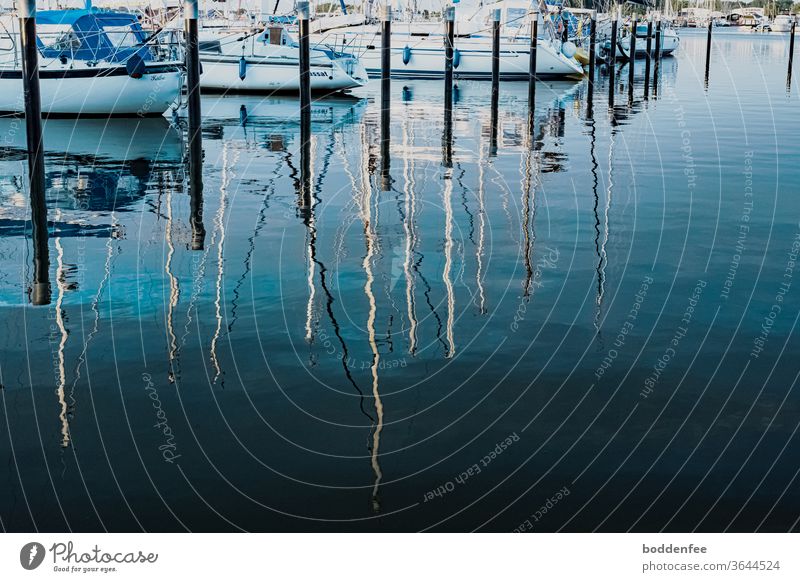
{"points": [[516, 17], [211, 46], [121, 36], [57, 36]]}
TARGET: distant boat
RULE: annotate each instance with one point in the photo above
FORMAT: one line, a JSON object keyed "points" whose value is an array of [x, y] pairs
{"points": [[670, 41], [90, 63], [418, 50], [782, 23], [267, 60]]}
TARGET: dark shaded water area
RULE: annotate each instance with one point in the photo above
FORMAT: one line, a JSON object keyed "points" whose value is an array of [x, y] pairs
{"points": [[589, 326]]}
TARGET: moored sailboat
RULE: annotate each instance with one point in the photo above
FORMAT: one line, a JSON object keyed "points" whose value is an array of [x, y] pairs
{"points": [[90, 63]]}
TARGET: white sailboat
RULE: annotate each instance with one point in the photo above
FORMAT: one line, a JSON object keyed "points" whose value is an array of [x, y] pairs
{"points": [[90, 63], [268, 60], [250, 49], [782, 23]]}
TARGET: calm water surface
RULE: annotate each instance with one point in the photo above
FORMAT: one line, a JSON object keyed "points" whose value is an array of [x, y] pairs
{"points": [[589, 326]]}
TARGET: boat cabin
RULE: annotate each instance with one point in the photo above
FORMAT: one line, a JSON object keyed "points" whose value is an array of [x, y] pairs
{"points": [[85, 35]]}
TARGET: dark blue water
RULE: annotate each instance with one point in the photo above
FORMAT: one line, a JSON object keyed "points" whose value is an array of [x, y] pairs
{"points": [[586, 327]]}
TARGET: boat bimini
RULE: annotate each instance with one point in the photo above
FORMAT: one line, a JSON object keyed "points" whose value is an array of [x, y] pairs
{"points": [[91, 63]]}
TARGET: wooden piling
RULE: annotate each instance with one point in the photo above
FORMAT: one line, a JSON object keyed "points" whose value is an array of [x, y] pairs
{"points": [[495, 53], [658, 39], [632, 57], [708, 48], [40, 291], [648, 55], [534, 15], [305, 55], [386, 66], [386, 56], [612, 60], [657, 65], [791, 53], [191, 12], [592, 49], [449, 50]]}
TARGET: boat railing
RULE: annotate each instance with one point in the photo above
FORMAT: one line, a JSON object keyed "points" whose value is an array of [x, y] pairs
{"points": [[66, 46]]}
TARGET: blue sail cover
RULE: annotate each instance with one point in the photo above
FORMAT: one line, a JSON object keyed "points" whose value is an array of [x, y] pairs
{"points": [[90, 35]]}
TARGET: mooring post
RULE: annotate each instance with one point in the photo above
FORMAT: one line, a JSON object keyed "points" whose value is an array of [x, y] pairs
{"points": [[657, 64], [791, 52], [612, 57], [40, 291], [386, 64], [305, 56], [532, 61], [647, 55], [612, 60], [386, 56], [495, 80], [495, 53], [449, 50], [632, 57], [658, 39], [305, 109], [708, 48], [191, 12], [592, 49]]}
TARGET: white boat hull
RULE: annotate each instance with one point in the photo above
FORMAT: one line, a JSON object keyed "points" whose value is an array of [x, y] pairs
{"points": [[474, 61], [781, 26], [222, 73], [670, 41], [96, 91]]}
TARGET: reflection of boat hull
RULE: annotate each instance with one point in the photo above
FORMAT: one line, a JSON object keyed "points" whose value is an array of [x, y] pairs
{"points": [[415, 57], [102, 90], [280, 110], [115, 140], [223, 73]]}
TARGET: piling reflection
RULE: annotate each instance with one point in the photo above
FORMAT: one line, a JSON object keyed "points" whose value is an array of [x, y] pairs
{"points": [[196, 190], [40, 287]]}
